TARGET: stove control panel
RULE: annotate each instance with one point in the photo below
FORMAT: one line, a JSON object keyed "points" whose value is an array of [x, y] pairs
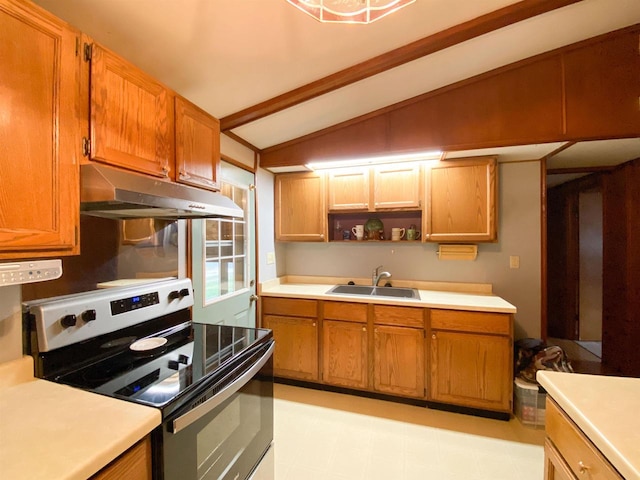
{"points": [[66, 320], [133, 303]]}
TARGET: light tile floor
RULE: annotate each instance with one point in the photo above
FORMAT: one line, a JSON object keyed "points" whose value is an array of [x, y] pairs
{"points": [[329, 436]]}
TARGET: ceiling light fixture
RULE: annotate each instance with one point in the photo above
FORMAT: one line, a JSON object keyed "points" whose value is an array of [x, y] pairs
{"points": [[365, 161], [349, 11]]}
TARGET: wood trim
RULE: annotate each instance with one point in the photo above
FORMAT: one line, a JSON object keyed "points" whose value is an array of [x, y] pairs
{"points": [[236, 163], [559, 149], [558, 171], [543, 248], [240, 140], [433, 43], [380, 114]]}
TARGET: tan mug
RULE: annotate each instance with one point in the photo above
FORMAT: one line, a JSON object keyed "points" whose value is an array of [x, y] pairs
{"points": [[358, 231], [397, 234], [413, 234]]}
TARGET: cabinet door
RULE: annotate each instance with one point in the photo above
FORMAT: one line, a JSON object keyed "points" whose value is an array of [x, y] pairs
{"points": [[300, 207], [396, 186], [197, 146], [349, 189], [344, 352], [399, 361], [462, 201], [40, 137], [471, 370], [131, 116], [296, 354], [555, 467]]}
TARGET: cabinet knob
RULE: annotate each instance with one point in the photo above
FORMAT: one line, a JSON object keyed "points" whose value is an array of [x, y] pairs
{"points": [[583, 468], [364, 329], [433, 336], [313, 324]]}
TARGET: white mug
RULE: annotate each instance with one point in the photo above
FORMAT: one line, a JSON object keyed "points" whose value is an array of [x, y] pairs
{"points": [[397, 234], [358, 231]]}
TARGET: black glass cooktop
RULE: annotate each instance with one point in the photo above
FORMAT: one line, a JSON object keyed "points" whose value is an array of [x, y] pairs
{"points": [[193, 356]]}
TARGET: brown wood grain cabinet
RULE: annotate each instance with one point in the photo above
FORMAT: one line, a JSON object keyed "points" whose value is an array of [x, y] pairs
{"points": [[300, 207], [131, 116], [40, 141], [134, 464], [295, 330], [471, 359], [569, 453], [197, 146], [348, 189], [462, 204], [398, 361], [379, 188], [345, 344], [396, 186]]}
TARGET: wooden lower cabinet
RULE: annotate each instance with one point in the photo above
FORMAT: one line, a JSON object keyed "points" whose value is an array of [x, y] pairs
{"points": [[134, 464], [344, 353], [295, 331], [382, 349], [471, 357], [568, 453], [398, 361], [296, 354]]}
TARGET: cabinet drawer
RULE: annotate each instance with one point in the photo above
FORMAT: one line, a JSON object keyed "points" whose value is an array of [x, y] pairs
{"points": [[476, 322], [289, 306], [400, 316], [582, 457], [350, 312]]}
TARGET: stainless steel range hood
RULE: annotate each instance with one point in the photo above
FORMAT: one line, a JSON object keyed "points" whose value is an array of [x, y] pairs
{"points": [[111, 193]]}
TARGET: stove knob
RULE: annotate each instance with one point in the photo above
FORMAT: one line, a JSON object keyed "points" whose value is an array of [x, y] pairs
{"points": [[174, 295], [183, 359], [89, 315], [184, 292], [68, 320], [173, 365]]}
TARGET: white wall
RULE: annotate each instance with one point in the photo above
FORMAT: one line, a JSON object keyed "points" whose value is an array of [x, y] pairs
{"points": [[10, 323], [519, 234], [266, 227]]}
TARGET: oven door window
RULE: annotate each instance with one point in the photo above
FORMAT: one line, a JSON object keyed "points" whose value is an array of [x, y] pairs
{"points": [[227, 442]]}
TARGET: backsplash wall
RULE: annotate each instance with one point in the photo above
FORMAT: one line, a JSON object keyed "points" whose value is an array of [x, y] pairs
{"points": [[519, 234]]}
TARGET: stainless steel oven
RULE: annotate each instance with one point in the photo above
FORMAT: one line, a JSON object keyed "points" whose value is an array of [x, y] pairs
{"points": [[212, 383]]}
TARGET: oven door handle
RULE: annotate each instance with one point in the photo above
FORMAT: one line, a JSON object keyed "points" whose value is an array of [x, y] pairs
{"points": [[191, 416]]}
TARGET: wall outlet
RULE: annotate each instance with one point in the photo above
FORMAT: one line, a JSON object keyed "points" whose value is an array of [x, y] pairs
{"points": [[514, 261], [271, 258]]}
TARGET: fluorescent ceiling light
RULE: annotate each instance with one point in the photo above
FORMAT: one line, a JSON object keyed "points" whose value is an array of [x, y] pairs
{"points": [[363, 161]]}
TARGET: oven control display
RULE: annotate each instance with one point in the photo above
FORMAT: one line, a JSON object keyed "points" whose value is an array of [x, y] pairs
{"points": [[133, 303]]}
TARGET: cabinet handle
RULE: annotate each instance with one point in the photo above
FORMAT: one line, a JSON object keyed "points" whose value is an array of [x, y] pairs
{"points": [[583, 468], [433, 336], [364, 329], [313, 324]]}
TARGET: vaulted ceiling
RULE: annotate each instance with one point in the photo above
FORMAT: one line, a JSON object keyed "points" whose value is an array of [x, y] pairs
{"points": [[272, 73]]}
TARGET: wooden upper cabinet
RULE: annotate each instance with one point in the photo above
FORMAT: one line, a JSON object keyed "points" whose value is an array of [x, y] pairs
{"points": [[300, 207], [349, 189], [396, 186], [462, 203], [40, 138], [131, 116], [384, 187], [197, 146]]}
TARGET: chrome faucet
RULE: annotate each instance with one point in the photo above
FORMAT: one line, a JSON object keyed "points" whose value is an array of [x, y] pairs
{"points": [[376, 277]]}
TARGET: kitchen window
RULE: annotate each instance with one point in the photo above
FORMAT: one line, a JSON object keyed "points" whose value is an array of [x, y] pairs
{"points": [[226, 246]]}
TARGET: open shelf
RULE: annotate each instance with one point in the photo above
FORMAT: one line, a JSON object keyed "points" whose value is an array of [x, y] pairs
{"points": [[339, 222]]}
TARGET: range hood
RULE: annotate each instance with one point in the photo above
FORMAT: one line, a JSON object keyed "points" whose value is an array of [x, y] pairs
{"points": [[118, 194]]}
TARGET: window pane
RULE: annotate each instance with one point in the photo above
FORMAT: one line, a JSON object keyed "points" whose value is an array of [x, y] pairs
{"points": [[212, 228], [239, 239], [228, 276], [212, 280], [240, 273]]}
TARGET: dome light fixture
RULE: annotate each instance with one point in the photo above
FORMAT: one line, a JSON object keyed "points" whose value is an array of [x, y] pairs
{"points": [[349, 11]]}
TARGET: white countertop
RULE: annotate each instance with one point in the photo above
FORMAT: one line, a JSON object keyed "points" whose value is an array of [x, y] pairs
{"points": [[50, 431], [478, 302], [606, 409]]}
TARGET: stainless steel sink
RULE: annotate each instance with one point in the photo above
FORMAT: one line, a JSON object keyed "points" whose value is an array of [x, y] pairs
{"points": [[369, 291]]}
